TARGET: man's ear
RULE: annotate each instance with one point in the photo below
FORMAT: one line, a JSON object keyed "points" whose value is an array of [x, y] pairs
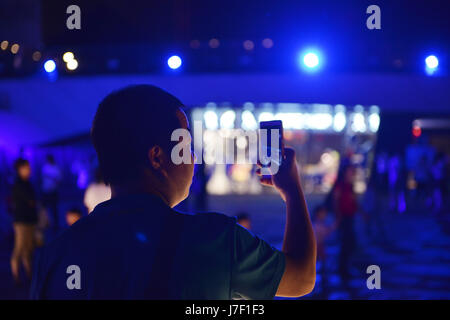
{"points": [[155, 157]]}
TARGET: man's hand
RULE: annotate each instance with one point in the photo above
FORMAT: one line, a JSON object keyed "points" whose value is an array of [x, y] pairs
{"points": [[286, 180], [299, 245]]}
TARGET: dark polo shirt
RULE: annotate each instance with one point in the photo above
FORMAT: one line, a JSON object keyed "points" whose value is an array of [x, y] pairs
{"points": [[137, 247]]}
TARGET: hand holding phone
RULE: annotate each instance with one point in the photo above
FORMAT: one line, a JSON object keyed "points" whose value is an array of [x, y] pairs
{"points": [[286, 179]]}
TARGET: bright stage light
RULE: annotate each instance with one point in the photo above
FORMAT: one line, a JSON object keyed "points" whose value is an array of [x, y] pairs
{"points": [[248, 121], [320, 121], [374, 122], [227, 119], [4, 44], [72, 64], [291, 120], [311, 60], [211, 120], [432, 62], [68, 56], [174, 62], [15, 48], [359, 122], [49, 66], [340, 120], [266, 116]]}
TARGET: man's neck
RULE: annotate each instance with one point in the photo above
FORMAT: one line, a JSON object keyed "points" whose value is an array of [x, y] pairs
{"points": [[137, 188]]}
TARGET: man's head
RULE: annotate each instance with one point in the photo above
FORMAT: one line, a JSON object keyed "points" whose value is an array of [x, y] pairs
{"points": [[23, 168], [132, 132]]}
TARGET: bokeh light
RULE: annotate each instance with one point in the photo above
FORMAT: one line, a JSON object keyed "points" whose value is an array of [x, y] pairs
{"points": [[174, 62]]}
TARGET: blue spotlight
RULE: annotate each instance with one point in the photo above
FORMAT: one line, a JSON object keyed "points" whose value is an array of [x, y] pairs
{"points": [[311, 60], [49, 66], [431, 64], [174, 62]]}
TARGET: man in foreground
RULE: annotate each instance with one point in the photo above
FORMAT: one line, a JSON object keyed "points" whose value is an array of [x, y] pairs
{"points": [[136, 246]]}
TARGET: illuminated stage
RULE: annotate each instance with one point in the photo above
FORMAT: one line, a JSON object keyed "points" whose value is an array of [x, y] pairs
{"points": [[321, 134]]}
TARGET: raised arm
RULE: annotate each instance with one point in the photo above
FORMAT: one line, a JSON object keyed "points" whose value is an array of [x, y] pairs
{"points": [[299, 245]]}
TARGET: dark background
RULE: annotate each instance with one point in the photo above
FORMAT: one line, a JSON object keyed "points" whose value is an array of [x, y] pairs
{"points": [[408, 29]]}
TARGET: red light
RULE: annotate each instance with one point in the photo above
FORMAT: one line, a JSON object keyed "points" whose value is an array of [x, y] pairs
{"points": [[416, 131]]}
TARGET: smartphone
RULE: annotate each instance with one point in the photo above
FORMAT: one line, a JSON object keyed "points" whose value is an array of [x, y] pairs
{"points": [[271, 150]]}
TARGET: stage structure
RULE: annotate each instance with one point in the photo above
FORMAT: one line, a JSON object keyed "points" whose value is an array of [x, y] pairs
{"points": [[321, 134]]}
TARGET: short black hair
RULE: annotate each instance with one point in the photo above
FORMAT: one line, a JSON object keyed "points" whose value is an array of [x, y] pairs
{"points": [[19, 163], [242, 216], [129, 122]]}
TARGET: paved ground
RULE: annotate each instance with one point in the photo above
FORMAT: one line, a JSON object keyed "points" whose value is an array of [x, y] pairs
{"points": [[414, 254]]}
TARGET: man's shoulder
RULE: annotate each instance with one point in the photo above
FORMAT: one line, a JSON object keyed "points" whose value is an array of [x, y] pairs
{"points": [[76, 234], [208, 223], [208, 217]]}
